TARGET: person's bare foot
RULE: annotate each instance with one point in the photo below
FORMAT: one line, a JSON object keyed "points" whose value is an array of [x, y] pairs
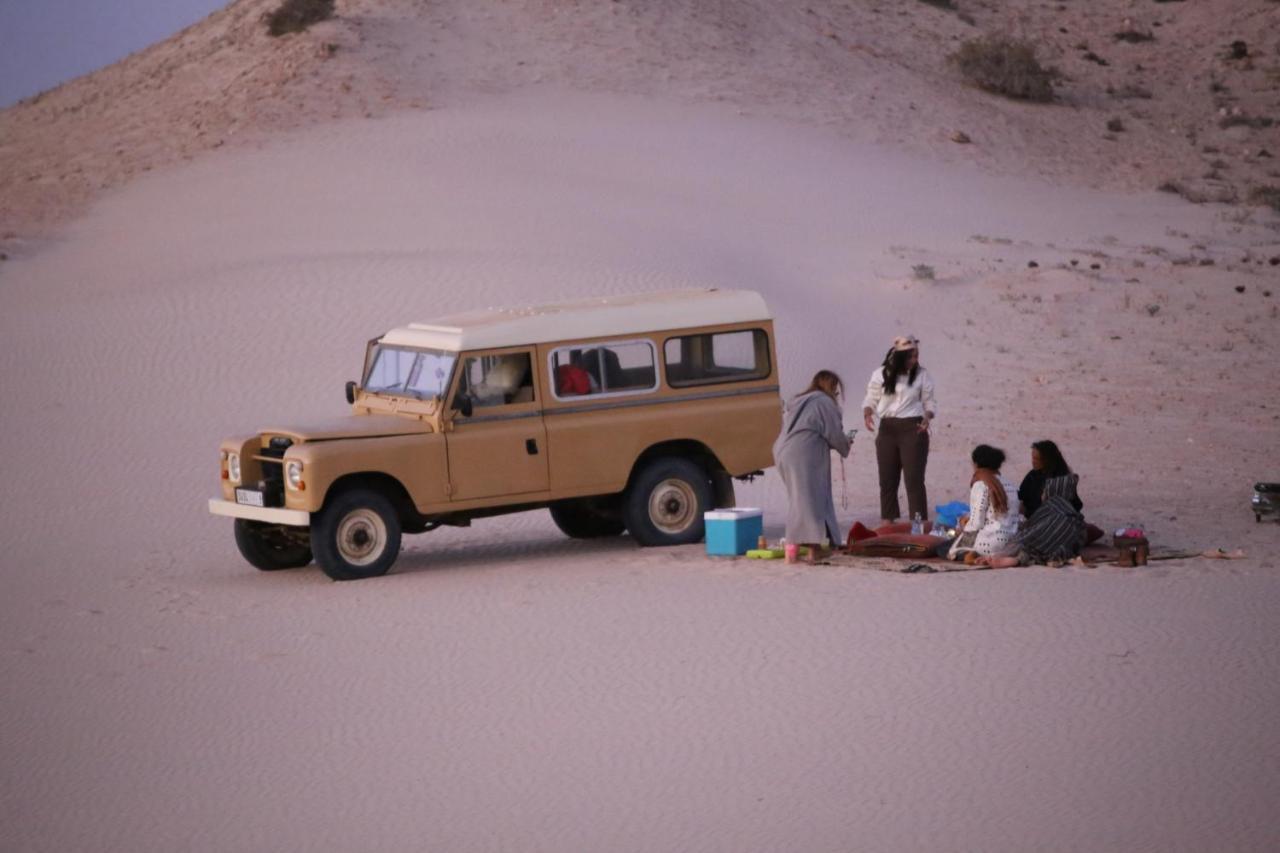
{"points": [[815, 553], [998, 562]]}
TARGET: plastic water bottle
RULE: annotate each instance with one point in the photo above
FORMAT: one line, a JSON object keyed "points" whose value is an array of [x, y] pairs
{"points": [[917, 525]]}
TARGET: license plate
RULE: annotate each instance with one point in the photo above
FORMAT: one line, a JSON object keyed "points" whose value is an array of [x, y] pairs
{"points": [[250, 497]]}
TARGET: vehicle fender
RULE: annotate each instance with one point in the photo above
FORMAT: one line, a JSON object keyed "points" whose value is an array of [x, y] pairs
{"points": [[418, 462]]}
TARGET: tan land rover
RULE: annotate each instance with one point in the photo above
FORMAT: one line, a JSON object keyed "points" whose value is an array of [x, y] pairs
{"points": [[628, 413]]}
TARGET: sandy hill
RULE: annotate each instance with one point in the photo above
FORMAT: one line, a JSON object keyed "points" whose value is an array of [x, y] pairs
{"points": [[507, 688], [1152, 92]]}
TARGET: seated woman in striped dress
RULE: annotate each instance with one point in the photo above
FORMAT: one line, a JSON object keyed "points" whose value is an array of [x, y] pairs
{"points": [[1047, 463], [1055, 531], [991, 528]]}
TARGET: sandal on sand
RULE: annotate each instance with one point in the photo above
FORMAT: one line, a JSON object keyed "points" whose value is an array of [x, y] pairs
{"points": [[919, 569]]}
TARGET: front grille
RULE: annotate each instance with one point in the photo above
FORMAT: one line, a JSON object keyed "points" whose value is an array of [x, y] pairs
{"points": [[272, 483]]}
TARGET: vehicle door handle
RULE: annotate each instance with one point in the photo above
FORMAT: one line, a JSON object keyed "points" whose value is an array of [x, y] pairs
{"points": [[531, 446]]}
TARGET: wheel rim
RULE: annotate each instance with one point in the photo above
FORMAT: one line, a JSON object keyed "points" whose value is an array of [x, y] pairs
{"points": [[362, 536], [673, 506]]}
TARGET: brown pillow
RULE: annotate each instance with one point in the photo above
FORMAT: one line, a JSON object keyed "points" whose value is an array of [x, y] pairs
{"points": [[895, 545]]}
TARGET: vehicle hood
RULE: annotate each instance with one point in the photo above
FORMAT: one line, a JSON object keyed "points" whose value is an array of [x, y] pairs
{"points": [[352, 426]]}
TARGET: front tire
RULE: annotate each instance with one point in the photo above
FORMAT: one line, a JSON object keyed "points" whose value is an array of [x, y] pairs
{"points": [[271, 547], [578, 519], [356, 536], [666, 501]]}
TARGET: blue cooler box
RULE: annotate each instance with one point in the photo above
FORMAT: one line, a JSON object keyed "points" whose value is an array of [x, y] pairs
{"points": [[733, 532]]}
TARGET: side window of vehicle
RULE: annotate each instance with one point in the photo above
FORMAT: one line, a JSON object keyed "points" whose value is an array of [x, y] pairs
{"points": [[716, 357], [617, 367], [496, 380]]}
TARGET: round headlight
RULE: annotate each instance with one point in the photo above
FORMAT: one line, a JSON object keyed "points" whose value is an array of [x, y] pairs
{"points": [[293, 474], [233, 466]]}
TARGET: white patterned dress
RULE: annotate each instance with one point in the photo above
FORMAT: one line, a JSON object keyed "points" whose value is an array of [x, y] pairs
{"points": [[993, 534]]}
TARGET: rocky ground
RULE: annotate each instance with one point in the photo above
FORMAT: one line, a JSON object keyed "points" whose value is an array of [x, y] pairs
{"points": [[1182, 96]]}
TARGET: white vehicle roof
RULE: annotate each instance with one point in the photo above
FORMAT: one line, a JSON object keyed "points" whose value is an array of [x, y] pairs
{"points": [[598, 317]]}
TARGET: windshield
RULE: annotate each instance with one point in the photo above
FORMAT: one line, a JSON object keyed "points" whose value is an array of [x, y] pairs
{"points": [[411, 372]]}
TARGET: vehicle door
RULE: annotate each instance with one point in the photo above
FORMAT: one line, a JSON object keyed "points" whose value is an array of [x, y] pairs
{"points": [[600, 411], [496, 439]]}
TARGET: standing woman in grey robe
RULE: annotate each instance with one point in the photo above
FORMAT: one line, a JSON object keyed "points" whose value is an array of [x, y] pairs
{"points": [[811, 428]]}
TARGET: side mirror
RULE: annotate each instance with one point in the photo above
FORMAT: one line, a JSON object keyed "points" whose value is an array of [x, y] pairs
{"points": [[351, 392], [464, 405]]}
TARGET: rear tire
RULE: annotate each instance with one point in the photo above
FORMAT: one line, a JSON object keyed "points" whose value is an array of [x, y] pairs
{"points": [[356, 535], [579, 519], [666, 501], [270, 547]]}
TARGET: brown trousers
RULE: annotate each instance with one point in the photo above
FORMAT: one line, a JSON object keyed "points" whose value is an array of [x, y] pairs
{"points": [[902, 452]]}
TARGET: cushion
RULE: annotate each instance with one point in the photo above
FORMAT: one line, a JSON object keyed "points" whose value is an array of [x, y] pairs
{"points": [[858, 532], [896, 545]]}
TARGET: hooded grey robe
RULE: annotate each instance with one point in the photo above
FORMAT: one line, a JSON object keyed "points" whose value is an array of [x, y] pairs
{"points": [[811, 428]]}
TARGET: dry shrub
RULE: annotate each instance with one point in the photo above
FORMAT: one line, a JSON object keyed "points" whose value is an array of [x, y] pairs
{"points": [[1256, 122], [1269, 196], [294, 16], [1006, 66], [950, 6], [1130, 91], [1133, 36]]}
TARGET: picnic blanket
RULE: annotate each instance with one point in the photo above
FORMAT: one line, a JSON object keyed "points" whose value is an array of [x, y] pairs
{"points": [[1093, 555]]}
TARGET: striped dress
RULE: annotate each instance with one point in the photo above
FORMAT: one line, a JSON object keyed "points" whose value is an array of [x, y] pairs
{"points": [[1056, 531]]}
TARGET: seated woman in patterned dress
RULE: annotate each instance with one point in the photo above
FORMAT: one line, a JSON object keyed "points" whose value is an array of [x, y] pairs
{"points": [[991, 528]]}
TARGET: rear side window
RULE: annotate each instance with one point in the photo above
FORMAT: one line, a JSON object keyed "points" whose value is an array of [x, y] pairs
{"points": [[717, 357], [617, 367]]}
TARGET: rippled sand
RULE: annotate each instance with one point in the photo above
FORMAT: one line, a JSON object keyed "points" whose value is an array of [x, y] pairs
{"points": [[507, 689]]}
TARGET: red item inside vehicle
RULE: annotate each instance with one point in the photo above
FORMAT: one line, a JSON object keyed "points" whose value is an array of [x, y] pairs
{"points": [[572, 381]]}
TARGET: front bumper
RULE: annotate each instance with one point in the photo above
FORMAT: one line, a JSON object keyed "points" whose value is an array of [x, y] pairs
{"points": [[270, 515]]}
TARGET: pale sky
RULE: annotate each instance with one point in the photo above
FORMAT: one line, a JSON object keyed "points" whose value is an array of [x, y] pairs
{"points": [[47, 42]]}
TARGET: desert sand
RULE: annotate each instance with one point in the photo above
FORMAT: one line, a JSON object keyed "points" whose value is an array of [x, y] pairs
{"points": [[508, 689]]}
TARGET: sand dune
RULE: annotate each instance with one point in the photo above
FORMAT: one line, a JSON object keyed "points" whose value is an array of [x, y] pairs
{"points": [[505, 688], [875, 72], [509, 688]]}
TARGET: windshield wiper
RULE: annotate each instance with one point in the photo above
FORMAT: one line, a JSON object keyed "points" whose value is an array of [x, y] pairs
{"points": [[398, 390]]}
